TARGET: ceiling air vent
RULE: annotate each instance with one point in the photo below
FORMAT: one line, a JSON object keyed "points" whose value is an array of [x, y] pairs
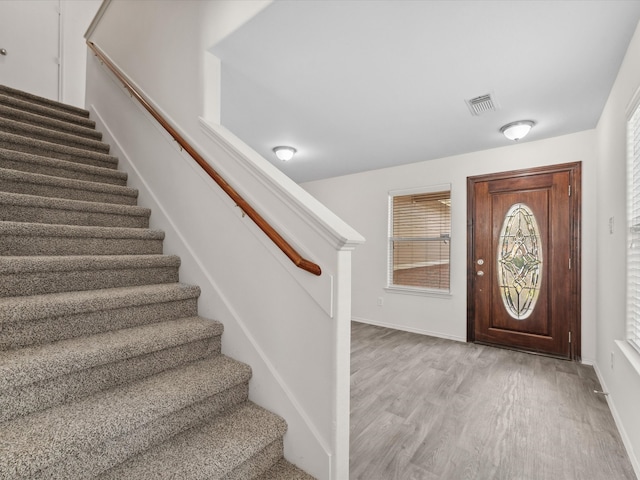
{"points": [[481, 104]]}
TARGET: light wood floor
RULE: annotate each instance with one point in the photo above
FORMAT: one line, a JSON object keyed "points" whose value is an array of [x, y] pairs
{"points": [[424, 408]]}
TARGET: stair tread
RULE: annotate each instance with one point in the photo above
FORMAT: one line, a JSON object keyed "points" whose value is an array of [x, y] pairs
{"points": [[54, 230], [35, 307], [284, 470], [43, 239], [29, 365], [35, 275], [23, 199], [29, 444], [39, 100], [84, 262], [55, 149], [32, 118], [50, 135], [210, 450], [37, 178], [30, 158], [47, 111]]}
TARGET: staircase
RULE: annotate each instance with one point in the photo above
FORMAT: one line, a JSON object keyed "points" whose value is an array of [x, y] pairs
{"points": [[106, 369]]}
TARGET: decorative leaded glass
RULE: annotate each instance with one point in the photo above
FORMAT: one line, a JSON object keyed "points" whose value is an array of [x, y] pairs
{"points": [[519, 261]]}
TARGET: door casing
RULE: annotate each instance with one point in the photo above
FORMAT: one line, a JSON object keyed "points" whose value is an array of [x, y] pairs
{"points": [[575, 170]]}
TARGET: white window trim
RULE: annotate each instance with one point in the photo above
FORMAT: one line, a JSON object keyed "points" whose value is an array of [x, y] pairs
{"points": [[634, 349], [405, 290], [421, 292]]}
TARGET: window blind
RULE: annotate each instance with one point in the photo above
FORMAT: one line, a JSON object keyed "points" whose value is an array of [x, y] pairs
{"points": [[633, 212], [419, 240]]}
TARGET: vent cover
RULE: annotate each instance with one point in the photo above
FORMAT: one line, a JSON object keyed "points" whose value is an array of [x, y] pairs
{"points": [[481, 104]]}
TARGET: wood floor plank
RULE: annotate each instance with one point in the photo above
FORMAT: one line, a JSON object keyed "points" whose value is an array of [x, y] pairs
{"points": [[427, 408]]}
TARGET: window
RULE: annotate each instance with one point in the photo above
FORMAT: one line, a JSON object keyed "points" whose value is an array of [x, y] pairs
{"points": [[520, 261], [420, 239], [633, 214]]}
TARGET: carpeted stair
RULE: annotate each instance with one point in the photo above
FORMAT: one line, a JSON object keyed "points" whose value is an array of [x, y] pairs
{"points": [[106, 369]]}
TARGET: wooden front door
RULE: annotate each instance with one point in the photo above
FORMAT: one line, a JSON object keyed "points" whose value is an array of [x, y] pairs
{"points": [[524, 260]]}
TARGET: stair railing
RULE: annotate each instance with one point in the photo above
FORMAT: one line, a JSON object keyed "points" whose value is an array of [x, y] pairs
{"points": [[275, 237]]}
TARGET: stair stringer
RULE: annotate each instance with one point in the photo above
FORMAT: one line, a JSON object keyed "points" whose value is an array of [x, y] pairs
{"points": [[305, 443]]}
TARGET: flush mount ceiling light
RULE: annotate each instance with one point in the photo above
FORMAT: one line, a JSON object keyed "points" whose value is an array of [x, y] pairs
{"points": [[517, 130], [284, 153]]}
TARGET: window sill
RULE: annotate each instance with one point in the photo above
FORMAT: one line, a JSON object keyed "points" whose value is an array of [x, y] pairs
{"points": [[421, 292], [630, 354]]}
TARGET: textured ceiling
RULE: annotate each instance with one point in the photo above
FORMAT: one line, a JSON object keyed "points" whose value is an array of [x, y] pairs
{"points": [[357, 85]]}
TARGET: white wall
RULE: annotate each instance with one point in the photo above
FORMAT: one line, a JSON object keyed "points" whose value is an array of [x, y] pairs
{"points": [[75, 17], [163, 46], [361, 200], [30, 33], [622, 376], [41, 34], [291, 327]]}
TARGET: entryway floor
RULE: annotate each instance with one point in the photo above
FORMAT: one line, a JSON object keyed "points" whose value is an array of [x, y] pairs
{"points": [[426, 408]]}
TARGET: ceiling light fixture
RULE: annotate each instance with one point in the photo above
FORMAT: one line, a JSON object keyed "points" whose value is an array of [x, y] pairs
{"points": [[517, 130], [284, 153]]}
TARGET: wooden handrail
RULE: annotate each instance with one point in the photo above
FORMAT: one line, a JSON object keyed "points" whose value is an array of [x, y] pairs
{"points": [[275, 237]]}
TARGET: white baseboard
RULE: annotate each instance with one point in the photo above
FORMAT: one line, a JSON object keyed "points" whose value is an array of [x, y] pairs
{"points": [[409, 329], [616, 417]]}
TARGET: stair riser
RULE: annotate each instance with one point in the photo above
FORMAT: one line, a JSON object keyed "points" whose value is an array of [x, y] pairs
{"points": [[259, 463], [51, 150], [61, 172], [49, 123], [20, 284], [52, 329], [14, 186], [91, 462], [40, 133], [67, 388], [25, 213], [30, 245]]}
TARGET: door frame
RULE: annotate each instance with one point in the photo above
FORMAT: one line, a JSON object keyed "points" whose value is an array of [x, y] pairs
{"points": [[575, 214]]}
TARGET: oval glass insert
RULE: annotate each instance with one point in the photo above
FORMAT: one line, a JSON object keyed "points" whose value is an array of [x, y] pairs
{"points": [[519, 261]]}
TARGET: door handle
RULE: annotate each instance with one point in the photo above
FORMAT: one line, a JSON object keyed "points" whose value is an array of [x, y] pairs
{"points": [[3, 51], [480, 273]]}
